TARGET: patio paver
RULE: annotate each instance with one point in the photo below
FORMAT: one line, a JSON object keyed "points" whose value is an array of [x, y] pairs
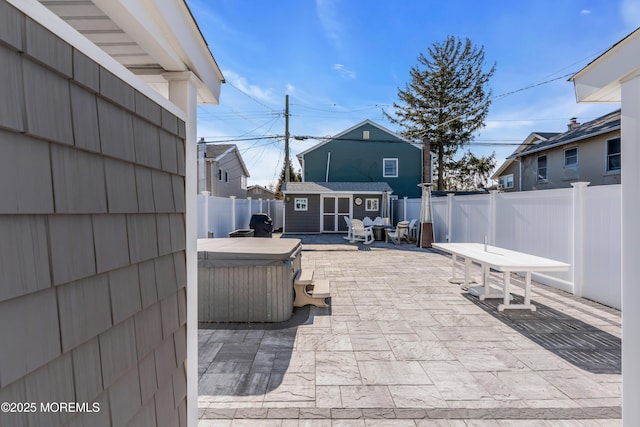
{"points": [[400, 345]]}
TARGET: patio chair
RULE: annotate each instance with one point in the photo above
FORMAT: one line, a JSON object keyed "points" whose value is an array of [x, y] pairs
{"points": [[413, 230], [368, 222], [349, 227], [360, 233], [401, 232], [378, 221]]}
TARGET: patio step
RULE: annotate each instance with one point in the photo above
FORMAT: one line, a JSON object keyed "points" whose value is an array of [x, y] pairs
{"points": [[304, 277], [320, 289]]}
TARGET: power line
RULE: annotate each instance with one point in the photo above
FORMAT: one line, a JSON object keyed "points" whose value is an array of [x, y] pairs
{"points": [[530, 87], [250, 97], [252, 138]]}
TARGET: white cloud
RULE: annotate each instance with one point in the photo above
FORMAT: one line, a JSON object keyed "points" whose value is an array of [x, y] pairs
{"points": [[254, 91], [328, 16], [344, 72], [585, 12]]}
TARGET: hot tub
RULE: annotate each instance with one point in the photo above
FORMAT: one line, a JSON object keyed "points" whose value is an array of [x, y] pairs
{"points": [[247, 280]]}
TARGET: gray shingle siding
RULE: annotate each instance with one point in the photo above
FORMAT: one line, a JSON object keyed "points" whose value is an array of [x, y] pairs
{"points": [[92, 255], [302, 221]]}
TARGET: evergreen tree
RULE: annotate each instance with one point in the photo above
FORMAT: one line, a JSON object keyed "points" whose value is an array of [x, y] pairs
{"points": [[470, 172], [294, 176], [446, 100]]}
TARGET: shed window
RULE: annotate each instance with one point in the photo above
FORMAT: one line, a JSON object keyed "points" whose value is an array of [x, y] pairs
{"points": [[371, 205], [390, 167], [219, 174], [300, 204], [613, 154]]}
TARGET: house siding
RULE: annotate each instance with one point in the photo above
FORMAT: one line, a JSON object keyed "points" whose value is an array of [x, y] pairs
{"points": [[359, 212], [356, 160], [591, 165], [92, 255], [302, 221], [233, 187]]}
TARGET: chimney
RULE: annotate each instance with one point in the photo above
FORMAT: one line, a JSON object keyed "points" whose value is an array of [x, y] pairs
{"points": [[426, 160], [573, 123]]}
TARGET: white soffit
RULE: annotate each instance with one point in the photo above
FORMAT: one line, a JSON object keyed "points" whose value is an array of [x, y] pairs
{"points": [[148, 38], [600, 80]]}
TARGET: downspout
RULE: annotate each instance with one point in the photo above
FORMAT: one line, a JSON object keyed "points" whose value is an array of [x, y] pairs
{"points": [[520, 175], [326, 176]]}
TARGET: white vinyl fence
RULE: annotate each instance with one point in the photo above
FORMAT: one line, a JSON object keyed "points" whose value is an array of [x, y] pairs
{"points": [[579, 225], [218, 216]]}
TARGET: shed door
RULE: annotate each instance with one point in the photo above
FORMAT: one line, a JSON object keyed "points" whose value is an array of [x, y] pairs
{"points": [[334, 209]]}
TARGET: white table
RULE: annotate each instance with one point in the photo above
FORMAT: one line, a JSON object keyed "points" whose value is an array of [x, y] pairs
{"points": [[503, 260]]}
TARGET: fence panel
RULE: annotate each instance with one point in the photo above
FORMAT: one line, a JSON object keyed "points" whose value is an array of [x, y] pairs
{"points": [[440, 209], [470, 220], [602, 252], [220, 219], [539, 223]]}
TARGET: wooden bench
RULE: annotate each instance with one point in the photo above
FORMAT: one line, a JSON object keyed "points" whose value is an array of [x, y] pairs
{"points": [[309, 291]]}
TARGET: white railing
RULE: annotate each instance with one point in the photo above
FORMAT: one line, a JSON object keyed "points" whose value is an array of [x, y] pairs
{"points": [[579, 225]]}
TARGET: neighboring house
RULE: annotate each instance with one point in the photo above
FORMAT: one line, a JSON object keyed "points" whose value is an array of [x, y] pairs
{"points": [[585, 152], [367, 152], [354, 173], [260, 192], [225, 171], [320, 207]]}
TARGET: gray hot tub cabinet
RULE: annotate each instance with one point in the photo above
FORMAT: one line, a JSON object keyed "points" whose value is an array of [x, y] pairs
{"points": [[247, 280]]}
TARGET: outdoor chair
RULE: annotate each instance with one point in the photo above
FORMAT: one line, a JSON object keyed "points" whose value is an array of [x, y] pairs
{"points": [[378, 221], [360, 233], [401, 232], [367, 221], [349, 228], [413, 230]]}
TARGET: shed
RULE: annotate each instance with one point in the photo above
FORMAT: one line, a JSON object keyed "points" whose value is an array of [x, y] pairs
{"points": [[320, 207]]}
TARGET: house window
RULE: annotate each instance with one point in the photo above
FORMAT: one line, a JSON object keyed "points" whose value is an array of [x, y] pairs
{"points": [[613, 154], [371, 205], [390, 167], [219, 174], [243, 182], [571, 158], [300, 204], [226, 176], [365, 134], [506, 181], [542, 168]]}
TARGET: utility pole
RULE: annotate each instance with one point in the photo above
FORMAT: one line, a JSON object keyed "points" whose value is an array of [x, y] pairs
{"points": [[286, 140]]}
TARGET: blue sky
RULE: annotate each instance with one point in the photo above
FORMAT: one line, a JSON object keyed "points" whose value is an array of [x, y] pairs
{"points": [[342, 62]]}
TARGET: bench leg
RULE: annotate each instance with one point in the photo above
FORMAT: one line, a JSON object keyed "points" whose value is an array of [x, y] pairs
{"points": [[507, 295], [454, 276], [302, 297]]}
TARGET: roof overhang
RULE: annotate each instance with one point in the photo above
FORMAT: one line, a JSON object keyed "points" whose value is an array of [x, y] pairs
{"points": [[151, 39], [531, 139], [600, 80]]}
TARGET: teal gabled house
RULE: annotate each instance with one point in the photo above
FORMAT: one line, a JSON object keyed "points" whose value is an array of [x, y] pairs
{"points": [[367, 152], [353, 174]]}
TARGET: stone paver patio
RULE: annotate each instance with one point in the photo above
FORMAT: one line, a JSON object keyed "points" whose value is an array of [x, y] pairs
{"points": [[401, 346]]}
